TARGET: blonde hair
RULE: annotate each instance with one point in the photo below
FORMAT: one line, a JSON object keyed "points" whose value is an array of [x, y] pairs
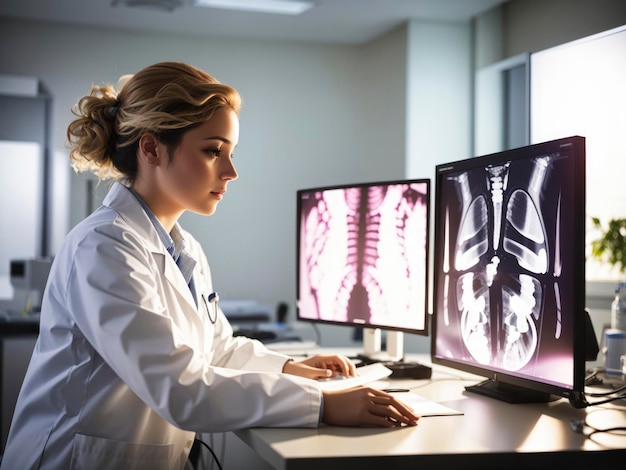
{"points": [[167, 98]]}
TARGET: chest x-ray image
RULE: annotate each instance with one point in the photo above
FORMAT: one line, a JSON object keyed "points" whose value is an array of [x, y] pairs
{"points": [[505, 266]]}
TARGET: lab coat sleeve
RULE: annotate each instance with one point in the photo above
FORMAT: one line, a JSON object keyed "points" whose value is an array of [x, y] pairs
{"points": [[119, 299], [244, 353], [233, 352]]}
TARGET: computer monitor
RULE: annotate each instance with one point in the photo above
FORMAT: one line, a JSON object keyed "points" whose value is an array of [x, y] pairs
{"points": [[362, 260], [509, 271]]}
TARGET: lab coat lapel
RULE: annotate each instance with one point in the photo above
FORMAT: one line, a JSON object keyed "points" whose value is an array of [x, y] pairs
{"points": [[175, 278], [122, 200]]}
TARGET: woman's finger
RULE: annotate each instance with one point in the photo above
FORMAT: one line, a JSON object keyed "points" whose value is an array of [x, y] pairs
{"points": [[390, 408], [337, 363], [365, 406]]}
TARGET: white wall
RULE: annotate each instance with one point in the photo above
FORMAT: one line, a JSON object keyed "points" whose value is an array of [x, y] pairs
{"points": [[439, 95], [438, 101]]}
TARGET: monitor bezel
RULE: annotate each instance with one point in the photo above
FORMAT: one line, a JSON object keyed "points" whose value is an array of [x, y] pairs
{"points": [[575, 393], [427, 181]]}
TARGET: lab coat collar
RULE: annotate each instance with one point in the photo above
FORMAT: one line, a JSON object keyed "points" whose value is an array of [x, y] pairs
{"points": [[121, 199]]}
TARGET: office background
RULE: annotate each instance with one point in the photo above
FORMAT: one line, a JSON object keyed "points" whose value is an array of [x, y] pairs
{"points": [[313, 114]]}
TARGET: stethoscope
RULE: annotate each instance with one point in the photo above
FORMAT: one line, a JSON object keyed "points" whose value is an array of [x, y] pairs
{"points": [[213, 299]]}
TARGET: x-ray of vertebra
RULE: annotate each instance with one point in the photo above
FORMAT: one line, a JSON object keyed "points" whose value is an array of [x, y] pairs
{"points": [[363, 254], [502, 262]]}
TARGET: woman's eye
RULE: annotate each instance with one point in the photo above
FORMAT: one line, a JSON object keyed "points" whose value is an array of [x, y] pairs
{"points": [[214, 152]]}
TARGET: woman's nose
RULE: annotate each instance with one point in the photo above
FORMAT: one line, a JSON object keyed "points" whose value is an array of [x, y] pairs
{"points": [[230, 172]]}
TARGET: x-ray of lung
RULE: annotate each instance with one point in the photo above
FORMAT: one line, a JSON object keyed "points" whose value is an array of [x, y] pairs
{"points": [[504, 264], [363, 254]]}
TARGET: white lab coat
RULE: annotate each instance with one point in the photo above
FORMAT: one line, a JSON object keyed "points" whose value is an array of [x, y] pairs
{"points": [[126, 369]]}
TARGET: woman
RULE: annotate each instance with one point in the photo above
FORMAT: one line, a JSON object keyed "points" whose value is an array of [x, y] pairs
{"points": [[134, 357]]}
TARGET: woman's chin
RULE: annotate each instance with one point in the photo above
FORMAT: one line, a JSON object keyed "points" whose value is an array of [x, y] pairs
{"points": [[206, 210]]}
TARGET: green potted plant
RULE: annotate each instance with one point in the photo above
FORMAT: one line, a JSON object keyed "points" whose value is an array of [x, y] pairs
{"points": [[611, 245]]}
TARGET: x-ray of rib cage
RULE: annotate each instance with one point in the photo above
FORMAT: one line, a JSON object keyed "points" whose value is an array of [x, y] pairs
{"points": [[364, 254], [501, 310]]}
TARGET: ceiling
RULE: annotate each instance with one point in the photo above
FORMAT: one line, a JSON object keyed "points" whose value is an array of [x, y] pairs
{"points": [[330, 21]]}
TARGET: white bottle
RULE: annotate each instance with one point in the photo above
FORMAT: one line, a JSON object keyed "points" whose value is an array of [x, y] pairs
{"points": [[618, 308]]}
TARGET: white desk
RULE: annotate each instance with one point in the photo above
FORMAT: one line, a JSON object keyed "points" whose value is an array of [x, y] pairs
{"points": [[490, 434]]}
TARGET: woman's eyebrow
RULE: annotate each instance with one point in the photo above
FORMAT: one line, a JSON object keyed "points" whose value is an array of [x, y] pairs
{"points": [[217, 137]]}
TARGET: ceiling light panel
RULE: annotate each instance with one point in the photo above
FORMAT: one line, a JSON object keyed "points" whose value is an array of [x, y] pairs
{"points": [[281, 7]]}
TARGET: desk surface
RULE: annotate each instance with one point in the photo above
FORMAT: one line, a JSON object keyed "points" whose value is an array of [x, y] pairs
{"points": [[490, 434]]}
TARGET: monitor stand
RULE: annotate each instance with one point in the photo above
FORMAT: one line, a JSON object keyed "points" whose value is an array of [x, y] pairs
{"points": [[393, 356], [510, 393], [372, 346]]}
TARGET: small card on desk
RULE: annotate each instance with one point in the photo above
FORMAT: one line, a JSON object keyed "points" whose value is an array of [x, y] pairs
{"points": [[423, 406]]}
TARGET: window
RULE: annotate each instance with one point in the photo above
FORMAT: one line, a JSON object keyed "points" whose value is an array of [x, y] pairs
{"points": [[578, 89]]}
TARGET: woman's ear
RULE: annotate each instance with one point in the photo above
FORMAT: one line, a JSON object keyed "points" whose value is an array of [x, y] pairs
{"points": [[149, 149]]}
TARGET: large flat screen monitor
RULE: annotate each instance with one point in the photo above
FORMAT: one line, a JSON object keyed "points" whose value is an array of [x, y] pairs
{"points": [[362, 256], [509, 271]]}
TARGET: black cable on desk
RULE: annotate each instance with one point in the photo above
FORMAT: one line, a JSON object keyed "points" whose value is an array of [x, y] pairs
{"points": [[606, 400], [582, 426], [594, 377], [216, 460], [612, 392]]}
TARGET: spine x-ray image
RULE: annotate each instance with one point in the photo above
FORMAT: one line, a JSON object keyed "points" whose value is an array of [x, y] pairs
{"points": [[363, 255]]}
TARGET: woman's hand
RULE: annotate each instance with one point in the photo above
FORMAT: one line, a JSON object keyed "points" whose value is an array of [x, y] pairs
{"points": [[321, 366], [362, 406]]}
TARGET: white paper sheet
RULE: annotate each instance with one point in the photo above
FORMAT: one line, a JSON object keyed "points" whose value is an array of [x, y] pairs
{"points": [[423, 406]]}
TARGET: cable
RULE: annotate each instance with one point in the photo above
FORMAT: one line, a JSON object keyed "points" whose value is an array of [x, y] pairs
{"points": [[613, 429], [591, 379], [603, 394], [607, 400], [579, 427], [614, 432], [612, 395], [223, 451], [212, 446], [215, 459]]}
